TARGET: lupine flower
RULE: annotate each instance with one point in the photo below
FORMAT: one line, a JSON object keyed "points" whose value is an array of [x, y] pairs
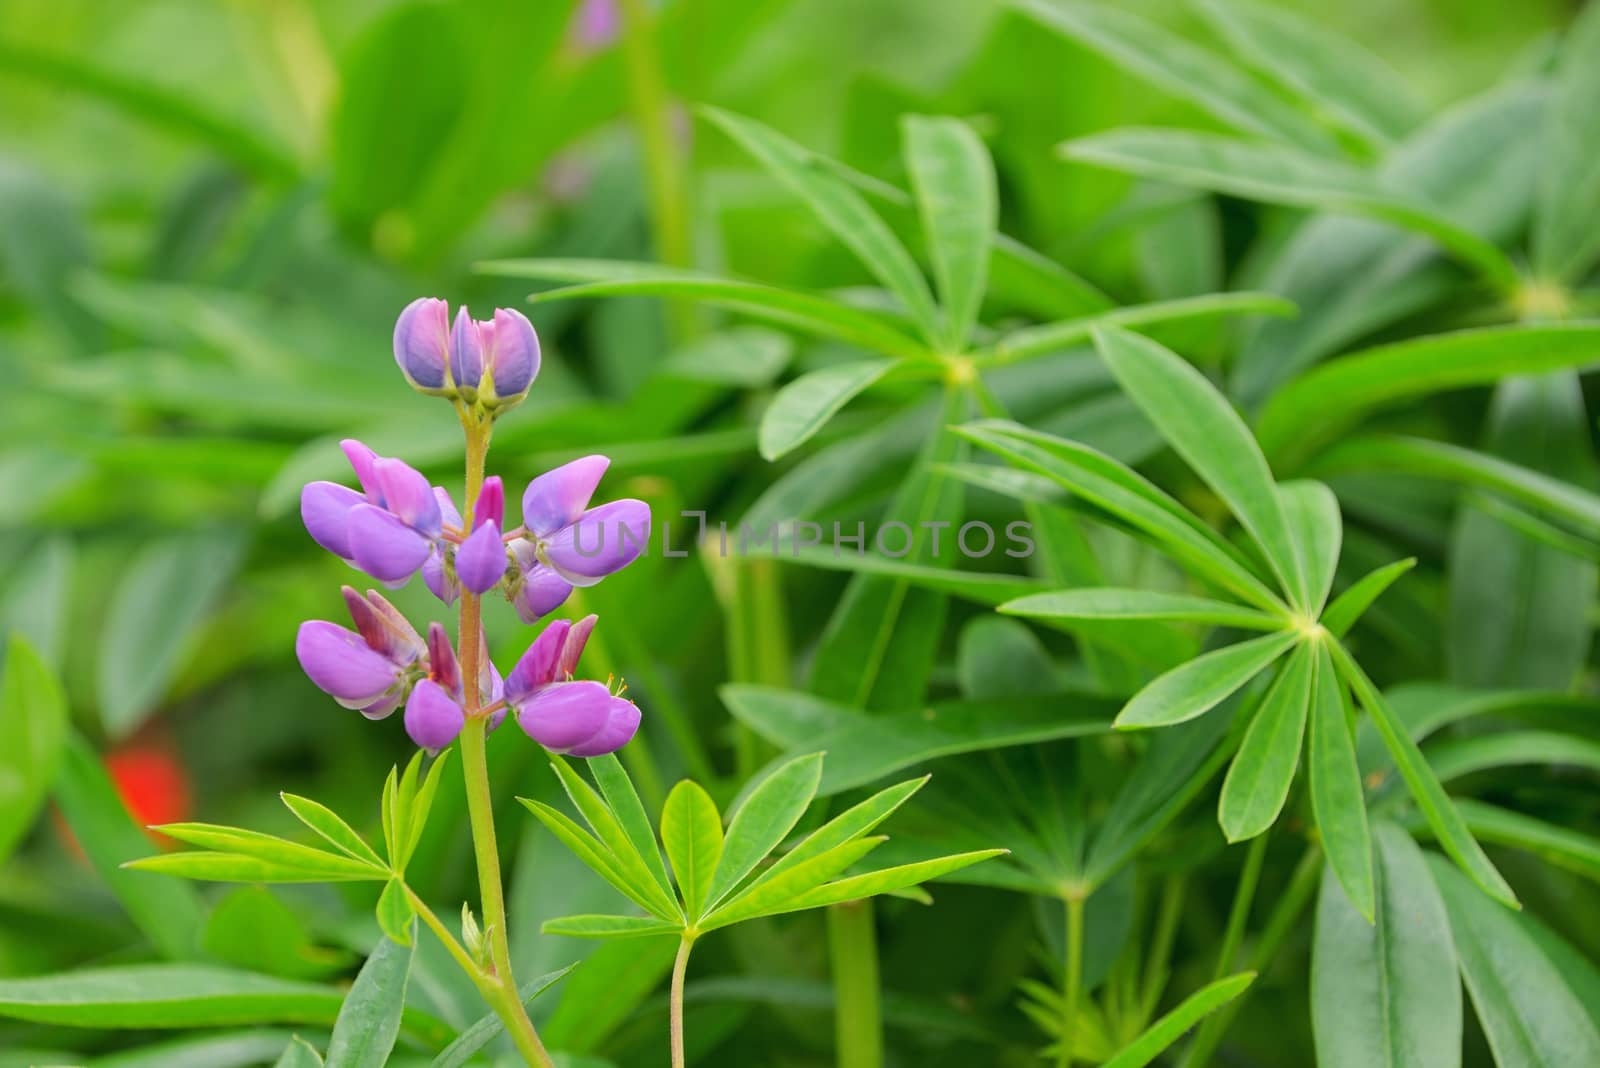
{"points": [[369, 668], [390, 529], [481, 560], [580, 718], [564, 543], [434, 712], [437, 571], [492, 361]]}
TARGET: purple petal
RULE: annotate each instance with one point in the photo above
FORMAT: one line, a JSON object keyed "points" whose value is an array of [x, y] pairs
{"points": [[443, 668], [325, 509], [537, 667], [557, 498], [382, 627], [439, 580], [572, 648], [466, 353], [383, 707], [491, 504], [511, 350], [540, 592], [566, 714], [422, 341], [340, 663], [383, 546], [433, 719], [407, 494], [605, 540], [622, 723], [362, 458], [481, 560], [447, 508]]}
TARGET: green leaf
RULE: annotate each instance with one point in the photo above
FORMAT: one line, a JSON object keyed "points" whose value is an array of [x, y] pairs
{"points": [[1109, 602], [1558, 845], [691, 829], [841, 209], [783, 307], [143, 996], [33, 733], [1334, 78], [610, 926], [1258, 781], [1127, 495], [299, 1054], [1194, 688], [766, 817], [1171, 1027], [1202, 427], [1282, 175], [1383, 988], [771, 893], [223, 867], [458, 1053], [888, 880], [805, 405], [624, 802], [953, 179], [265, 847], [1318, 530], [1564, 246], [1178, 68], [333, 829], [1338, 802], [1528, 1012], [166, 591], [1453, 758], [618, 844], [1436, 806], [980, 587], [167, 910], [369, 1022], [393, 825], [1048, 338], [395, 914], [1353, 603], [1317, 406], [864, 748], [596, 857], [421, 804], [849, 825]]}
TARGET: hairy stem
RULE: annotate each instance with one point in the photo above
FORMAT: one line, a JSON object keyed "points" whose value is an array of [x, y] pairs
{"points": [[1072, 981], [853, 946], [501, 991], [1295, 897], [680, 968]]}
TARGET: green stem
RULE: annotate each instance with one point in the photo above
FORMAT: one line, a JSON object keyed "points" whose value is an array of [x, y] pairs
{"points": [[680, 968], [501, 989], [459, 954], [663, 161], [1285, 914], [1072, 980], [1156, 967], [1243, 895], [853, 947]]}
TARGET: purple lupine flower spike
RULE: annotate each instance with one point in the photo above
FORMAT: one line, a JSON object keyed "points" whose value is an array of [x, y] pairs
{"points": [[421, 346], [564, 543], [564, 716]]}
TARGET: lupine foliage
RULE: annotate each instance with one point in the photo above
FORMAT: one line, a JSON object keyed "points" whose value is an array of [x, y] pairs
{"points": [[1227, 696]]}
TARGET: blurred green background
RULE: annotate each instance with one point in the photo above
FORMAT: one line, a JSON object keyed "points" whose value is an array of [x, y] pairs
{"points": [[210, 213]]}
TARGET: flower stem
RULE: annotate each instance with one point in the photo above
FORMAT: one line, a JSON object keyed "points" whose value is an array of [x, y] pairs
{"points": [[1285, 914], [853, 947], [680, 968], [500, 991], [1072, 980], [1243, 895]]}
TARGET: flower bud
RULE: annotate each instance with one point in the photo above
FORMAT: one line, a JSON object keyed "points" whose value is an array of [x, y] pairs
{"points": [[466, 354], [510, 356], [481, 560], [433, 718], [421, 346]]}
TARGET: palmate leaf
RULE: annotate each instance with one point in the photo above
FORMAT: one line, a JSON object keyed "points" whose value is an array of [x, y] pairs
{"points": [[626, 857], [611, 926], [1202, 427], [395, 912], [842, 210], [1194, 688], [1353, 603], [1382, 986], [953, 179], [804, 406], [249, 856], [1338, 802], [1312, 511], [599, 859], [1175, 1024], [1550, 842], [775, 889], [691, 829], [1111, 603], [624, 802], [1569, 183], [1263, 770], [766, 817], [333, 829]]}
